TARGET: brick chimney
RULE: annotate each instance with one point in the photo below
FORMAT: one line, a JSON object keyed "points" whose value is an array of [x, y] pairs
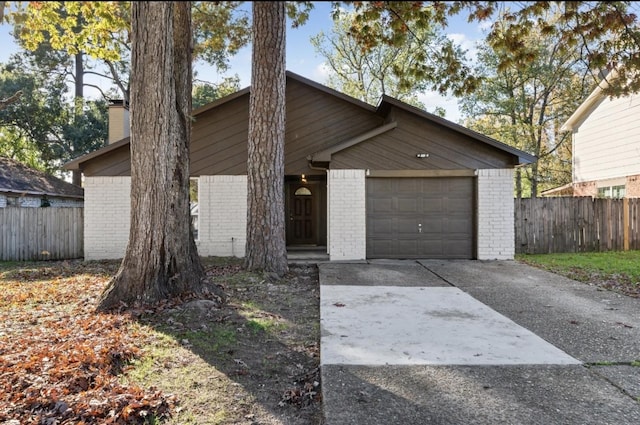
{"points": [[118, 121]]}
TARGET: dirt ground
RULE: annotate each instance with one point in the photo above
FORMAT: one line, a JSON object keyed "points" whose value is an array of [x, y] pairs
{"points": [[252, 360]]}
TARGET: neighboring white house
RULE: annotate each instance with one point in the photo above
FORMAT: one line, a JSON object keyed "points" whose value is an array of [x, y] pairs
{"points": [[606, 146], [391, 181], [21, 186]]}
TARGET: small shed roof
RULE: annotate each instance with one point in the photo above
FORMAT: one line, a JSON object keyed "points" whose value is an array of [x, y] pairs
{"points": [[19, 179], [564, 190]]}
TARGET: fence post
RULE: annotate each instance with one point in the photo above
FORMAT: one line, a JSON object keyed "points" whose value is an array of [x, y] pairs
{"points": [[625, 223]]}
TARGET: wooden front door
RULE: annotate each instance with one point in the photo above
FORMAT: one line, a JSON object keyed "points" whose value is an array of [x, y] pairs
{"points": [[302, 226]]}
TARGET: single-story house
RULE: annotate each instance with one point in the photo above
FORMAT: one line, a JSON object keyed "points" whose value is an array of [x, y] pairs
{"points": [[361, 181], [22, 186], [605, 135]]}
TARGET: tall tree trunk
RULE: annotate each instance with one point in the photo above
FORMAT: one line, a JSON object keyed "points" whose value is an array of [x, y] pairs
{"points": [[78, 103], [161, 259], [266, 241], [79, 86]]}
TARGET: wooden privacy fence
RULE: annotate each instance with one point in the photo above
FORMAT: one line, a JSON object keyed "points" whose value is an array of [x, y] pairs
{"points": [[41, 234], [580, 224]]}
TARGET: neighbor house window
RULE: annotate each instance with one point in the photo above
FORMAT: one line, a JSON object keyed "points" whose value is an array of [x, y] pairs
{"points": [[12, 201], [615, 192], [193, 206]]}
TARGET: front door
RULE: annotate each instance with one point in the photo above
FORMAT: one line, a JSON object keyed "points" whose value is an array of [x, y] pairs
{"points": [[302, 226]]}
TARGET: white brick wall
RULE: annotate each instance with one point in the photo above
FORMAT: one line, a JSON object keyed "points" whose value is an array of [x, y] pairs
{"points": [[107, 210], [347, 215], [496, 237], [223, 216]]}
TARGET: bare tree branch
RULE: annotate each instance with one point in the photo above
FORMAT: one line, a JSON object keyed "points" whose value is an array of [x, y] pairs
{"points": [[8, 101]]}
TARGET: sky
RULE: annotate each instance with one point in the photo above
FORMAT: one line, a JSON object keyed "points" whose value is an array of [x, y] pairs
{"points": [[301, 57]]}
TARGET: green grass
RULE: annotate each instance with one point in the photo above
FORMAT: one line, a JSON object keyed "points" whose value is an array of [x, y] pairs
{"points": [[607, 264], [618, 271], [265, 325], [217, 339]]}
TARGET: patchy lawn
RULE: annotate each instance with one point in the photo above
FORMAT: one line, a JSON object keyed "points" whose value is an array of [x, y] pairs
{"points": [[617, 271], [253, 360]]}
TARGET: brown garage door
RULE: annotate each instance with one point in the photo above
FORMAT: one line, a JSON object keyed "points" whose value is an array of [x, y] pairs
{"points": [[420, 217]]}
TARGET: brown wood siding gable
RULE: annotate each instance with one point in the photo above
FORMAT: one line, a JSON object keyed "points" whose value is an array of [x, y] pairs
{"points": [[397, 149], [317, 120], [117, 163], [219, 140]]}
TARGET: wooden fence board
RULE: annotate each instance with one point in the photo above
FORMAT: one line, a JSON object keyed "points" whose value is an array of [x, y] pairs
{"points": [[41, 234], [580, 224]]}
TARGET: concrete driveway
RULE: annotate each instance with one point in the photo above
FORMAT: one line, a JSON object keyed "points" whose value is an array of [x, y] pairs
{"points": [[474, 342]]}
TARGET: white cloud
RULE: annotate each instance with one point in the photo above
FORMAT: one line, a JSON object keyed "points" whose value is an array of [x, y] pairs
{"points": [[466, 43], [484, 26], [320, 73], [432, 99]]}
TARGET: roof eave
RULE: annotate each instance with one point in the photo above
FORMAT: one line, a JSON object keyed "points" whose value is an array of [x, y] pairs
{"points": [[589, 104], [325, 155], [39, 193], [76, 164], [221, 101]]}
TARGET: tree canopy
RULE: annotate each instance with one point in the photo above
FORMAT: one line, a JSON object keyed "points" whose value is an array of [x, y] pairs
{"points": [[101, 30], [383, 69], [526, 106], [43, 126], [606, 34]]}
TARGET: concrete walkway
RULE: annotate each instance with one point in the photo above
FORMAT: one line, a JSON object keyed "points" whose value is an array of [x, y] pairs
{"points": [[473, 342]]}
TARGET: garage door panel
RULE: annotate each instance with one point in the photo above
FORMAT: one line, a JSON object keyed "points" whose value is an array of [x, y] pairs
{"points": [[381, 205], [458, 206], [430, 185], [420, 217], [381, 186], [406, 246], [433, 226], [458, 227], [406, 226], [432, 206], [408, 205], [409, 187], [384, 248], [382, 226], [456, 249]]}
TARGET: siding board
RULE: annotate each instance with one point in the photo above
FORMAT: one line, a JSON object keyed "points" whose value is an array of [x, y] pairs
{"points": [[607, 142]]}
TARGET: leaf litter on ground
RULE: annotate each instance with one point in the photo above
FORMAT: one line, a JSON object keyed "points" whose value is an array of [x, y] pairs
{"points": [[61, 362]]}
